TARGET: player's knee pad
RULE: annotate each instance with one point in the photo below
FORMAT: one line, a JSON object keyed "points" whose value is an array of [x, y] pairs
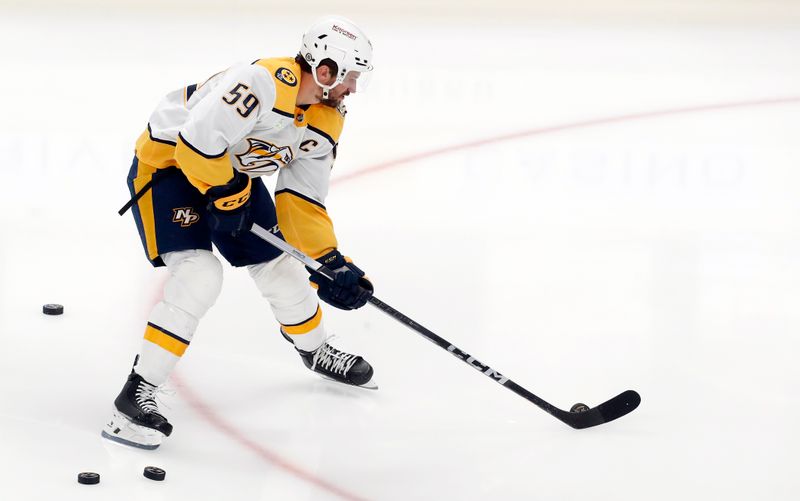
{"points": [[284, 283], [195, 281]]}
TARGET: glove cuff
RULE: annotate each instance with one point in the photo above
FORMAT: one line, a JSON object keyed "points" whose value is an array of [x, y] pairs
{"points": [[332, 260], [232, 195]]}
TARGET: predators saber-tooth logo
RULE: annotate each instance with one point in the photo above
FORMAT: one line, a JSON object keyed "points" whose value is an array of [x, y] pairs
{"points": [[185, 215], [264, 157]]}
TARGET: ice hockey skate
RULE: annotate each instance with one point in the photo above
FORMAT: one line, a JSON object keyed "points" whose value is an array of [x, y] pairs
{"points": [[338, 365], [136, 420]]}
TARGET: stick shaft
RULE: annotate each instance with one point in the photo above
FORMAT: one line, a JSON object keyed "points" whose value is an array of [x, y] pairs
{"points": [[281, 244], [135, 198], [409, 322]]}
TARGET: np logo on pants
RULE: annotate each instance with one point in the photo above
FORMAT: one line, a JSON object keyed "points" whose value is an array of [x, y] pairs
{"points": [[186, 216]]}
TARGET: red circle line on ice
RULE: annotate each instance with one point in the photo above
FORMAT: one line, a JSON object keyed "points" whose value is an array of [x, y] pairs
{"points": [[568, 126], [270, 457]]}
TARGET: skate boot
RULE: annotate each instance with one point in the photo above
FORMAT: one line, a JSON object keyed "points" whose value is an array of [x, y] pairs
{"points": [[135, 420], [338, 365]]}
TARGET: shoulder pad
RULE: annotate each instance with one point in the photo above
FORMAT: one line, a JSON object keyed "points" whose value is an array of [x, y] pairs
{"points": [[326, 121], [285, 74]]}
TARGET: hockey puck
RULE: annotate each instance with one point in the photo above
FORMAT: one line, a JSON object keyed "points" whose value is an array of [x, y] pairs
{"points": [[154, 473], [579, 407], [88, 478], [52, 309]]}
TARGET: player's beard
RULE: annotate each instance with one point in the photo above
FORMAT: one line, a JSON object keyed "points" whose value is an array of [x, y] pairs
{"points": [[334, 103]]}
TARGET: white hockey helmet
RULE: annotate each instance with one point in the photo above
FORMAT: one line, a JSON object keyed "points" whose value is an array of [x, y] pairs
{"points": [[341, 41]]}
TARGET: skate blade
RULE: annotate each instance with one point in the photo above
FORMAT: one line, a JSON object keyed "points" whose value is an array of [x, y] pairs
{"points": [[128, 442], [369, 385], [122, 430]]}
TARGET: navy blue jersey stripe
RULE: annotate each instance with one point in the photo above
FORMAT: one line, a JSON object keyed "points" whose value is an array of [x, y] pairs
{"points": [[281, 112], [329, 138], [190, 90], [187, 143], [163, 141]]}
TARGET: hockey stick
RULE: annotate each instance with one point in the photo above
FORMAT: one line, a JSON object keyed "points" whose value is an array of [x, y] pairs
{"points": [[154, 178], [610, 410], [135, 198]]}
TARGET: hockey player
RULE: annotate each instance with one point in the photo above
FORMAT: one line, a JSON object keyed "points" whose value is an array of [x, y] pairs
{"points": [[196, 172]]}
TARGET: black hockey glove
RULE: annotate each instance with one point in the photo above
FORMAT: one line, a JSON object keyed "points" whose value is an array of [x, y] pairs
{"points": [[349, 290], [229, 205]]}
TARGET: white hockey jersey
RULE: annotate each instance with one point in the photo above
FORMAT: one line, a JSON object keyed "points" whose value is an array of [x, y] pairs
{"points": [[245, 118]]}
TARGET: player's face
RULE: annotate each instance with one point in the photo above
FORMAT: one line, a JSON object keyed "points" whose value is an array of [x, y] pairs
{"points": [[344, 89]]}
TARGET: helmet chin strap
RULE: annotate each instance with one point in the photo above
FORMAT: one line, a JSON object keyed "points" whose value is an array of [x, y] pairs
{"points": [[326, 89]]}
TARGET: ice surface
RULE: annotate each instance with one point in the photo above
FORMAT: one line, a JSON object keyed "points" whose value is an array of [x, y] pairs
{"points": [[660, 254]]}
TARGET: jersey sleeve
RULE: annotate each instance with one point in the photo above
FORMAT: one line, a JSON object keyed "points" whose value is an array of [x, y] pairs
{"points": [[300, 204], [302, 187], [218, 118]]}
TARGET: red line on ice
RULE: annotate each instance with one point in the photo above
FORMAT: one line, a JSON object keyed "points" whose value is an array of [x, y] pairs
{"points": [[204, 411], [389, 164], [200, 407]]}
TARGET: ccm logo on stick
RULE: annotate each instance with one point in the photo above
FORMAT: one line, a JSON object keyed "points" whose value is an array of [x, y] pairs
{"points": [[477, 365]]}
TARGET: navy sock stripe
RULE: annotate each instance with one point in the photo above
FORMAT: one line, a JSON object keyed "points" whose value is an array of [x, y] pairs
{"points": [[168, 333]]}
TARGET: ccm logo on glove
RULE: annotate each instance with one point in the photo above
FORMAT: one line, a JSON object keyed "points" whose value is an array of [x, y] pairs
{"points": [[229, 205], [232, 204], [349, 289]]}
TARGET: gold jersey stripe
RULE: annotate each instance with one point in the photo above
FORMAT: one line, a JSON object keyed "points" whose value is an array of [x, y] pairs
{"points": [[306, 326], [144, 173], [326, 121], [305, 225], [168, 341], [285, 94], [202, 171], [159, 154], [146, 213]]}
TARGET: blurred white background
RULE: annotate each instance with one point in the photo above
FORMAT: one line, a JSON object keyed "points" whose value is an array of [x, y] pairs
{"points": [[639, 232]]}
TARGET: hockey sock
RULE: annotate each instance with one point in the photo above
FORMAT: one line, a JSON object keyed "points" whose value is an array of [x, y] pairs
{"points": [[284, 283], [192, 288]]}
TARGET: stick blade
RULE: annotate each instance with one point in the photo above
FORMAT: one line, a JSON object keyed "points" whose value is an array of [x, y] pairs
{"points": [[609, 410]]}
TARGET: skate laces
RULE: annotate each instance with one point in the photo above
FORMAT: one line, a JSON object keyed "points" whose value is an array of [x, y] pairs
{"points": [[147, 394], [333, 360]]}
